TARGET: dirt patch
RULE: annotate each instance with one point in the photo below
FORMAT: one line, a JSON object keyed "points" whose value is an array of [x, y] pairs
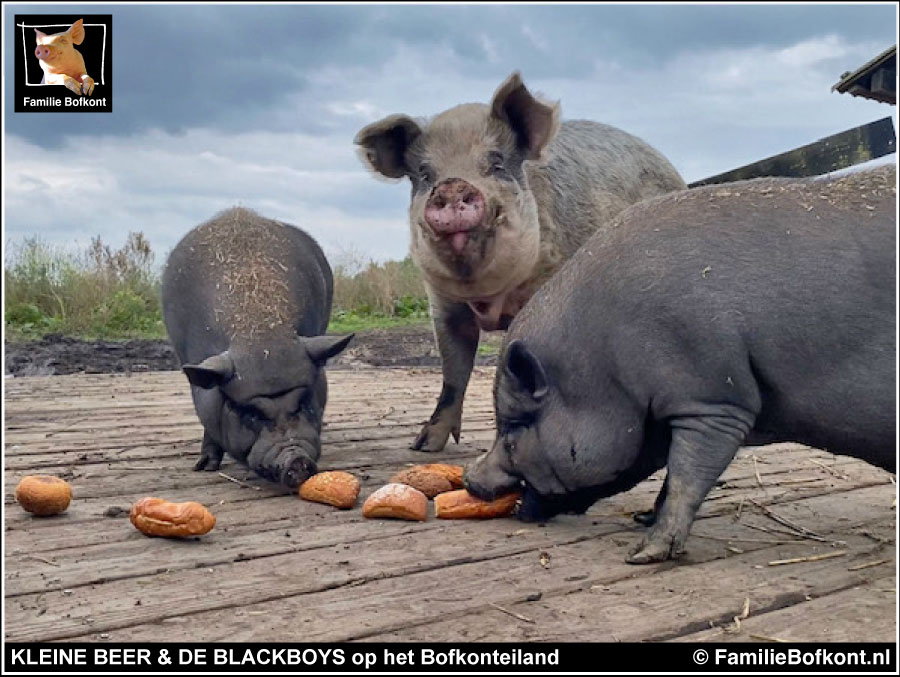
{"points": [[56, 354]]}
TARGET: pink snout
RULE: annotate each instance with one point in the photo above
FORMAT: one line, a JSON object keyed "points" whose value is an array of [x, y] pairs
{"points": [[455, 206], [42, 52]]}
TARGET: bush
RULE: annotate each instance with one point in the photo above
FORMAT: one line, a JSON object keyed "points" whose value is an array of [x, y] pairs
{"points": [[389, 289], [97, 292], [114, 293]]}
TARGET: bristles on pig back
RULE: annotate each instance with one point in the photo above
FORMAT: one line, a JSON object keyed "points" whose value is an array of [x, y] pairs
{"points": [[248, 255]]}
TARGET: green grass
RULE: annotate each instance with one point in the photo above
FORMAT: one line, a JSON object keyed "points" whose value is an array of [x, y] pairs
{"points": [[486, 348], [344, 323], [101, 293]]}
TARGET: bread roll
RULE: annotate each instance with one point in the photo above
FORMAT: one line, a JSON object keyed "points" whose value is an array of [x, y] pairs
{"points": [[463, 505], [429, 483], [43, 495], [159, 517], [399, 501], [334, 487], [453, 473]]}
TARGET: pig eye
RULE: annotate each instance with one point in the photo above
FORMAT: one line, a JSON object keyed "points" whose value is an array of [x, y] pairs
{"points": [[496, 166], [249, 414], [424, 173], [305, 407]]}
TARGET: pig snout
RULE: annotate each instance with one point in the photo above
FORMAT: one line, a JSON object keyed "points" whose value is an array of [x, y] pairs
{"points": [[487, 477], [537, 507], [42, 52], [455, 207], [288, 462]]}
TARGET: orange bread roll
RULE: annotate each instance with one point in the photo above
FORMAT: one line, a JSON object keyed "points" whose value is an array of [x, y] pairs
{"points": [[159, 517], [463, 505], [334, 487], [429, 483], [399, 501], [43, 495], [453, 473]]}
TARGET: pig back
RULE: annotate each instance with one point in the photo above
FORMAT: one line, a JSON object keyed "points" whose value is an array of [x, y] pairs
{"points": [[592, 172], [794, 277], [243, 277]]}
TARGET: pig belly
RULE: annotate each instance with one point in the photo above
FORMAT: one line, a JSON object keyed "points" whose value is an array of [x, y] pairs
{"points": [[496, 312]]}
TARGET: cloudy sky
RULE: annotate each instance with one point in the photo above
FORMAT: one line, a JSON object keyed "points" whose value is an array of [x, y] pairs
{"points": [[217, 105]]}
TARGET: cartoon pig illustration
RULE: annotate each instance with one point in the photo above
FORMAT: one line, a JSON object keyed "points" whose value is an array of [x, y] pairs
{"points": [[61, 62]]}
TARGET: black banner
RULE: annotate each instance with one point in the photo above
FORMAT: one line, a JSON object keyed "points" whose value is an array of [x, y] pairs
{"points": [[25, 658]]}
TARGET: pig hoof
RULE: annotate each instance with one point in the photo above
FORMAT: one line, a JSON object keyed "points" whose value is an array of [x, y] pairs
{"points": [[208, 463], [434, 437], [210, 458], [73, 85], [653, 551], [87, 87], [647, 517]]}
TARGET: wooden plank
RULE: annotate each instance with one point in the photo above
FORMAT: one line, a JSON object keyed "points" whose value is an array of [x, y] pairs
{"points": [[884, 85], [275, 560], [834, 152], [452, 602], [248, 532], [859, 612], [672, 600]]}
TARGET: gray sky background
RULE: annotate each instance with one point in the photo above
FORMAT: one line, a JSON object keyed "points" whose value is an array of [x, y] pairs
{"points": [[217, 105]]}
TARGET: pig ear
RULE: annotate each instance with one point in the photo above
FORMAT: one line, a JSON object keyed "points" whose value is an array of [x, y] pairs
{"points": [[40, 36], [526, 370], [213, 371], [322, 348], [534, 122], [384, 144], [77, 32]]}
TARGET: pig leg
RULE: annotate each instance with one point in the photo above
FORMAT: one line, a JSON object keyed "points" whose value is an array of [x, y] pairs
{"points": [[698, 455], [72, 83], [457, 337], [210, 454], [87, 84], [648, 517]]}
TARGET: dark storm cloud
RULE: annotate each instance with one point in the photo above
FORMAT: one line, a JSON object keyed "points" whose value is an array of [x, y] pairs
{"points": [[242, 67]]}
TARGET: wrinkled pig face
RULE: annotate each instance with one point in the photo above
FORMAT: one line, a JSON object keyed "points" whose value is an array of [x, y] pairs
{"points": [[51, 47], [473, 218], [568, 451], [265, 406]]}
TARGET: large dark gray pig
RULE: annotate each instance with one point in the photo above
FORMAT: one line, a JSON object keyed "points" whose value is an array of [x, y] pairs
{"points": [[246, 301], [502, 194], [756, 312]]}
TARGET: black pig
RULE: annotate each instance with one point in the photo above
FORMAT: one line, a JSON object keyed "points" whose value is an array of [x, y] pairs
{"points": [[745, 314], [246, 301]]}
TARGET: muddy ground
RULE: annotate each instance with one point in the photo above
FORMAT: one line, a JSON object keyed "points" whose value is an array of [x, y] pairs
{"points": [[56, 354]]}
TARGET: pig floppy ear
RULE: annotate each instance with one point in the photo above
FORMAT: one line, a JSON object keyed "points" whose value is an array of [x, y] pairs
{"points": [[77, 32], [534, 122], [384, 144], [321, 348], [526, 370], [213, 371]]}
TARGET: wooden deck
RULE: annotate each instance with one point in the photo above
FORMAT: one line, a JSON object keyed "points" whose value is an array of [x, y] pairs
{"points": [[277, 568]]}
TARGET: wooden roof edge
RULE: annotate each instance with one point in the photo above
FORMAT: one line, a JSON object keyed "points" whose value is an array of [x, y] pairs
{"points": [[847, 80]]}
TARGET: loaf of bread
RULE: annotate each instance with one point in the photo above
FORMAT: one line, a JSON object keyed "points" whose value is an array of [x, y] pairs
{"points": [[334, 487], [43, 495], [159, 517], [399, 501], [429, 483], [456, 505]]}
